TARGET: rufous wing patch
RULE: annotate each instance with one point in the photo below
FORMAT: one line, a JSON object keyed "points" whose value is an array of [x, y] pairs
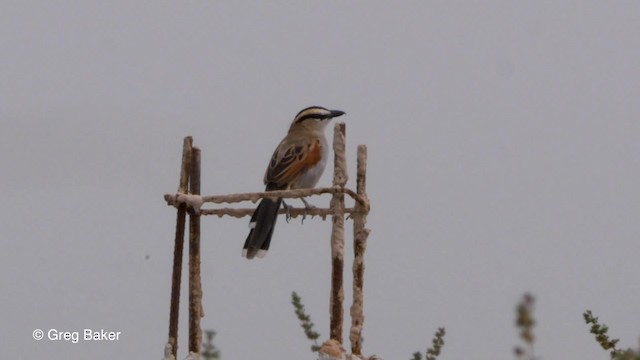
{"points": [[295, 161]]}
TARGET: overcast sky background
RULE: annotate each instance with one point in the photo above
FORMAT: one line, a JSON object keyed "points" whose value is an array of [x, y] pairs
{"points": [[504, 157]]}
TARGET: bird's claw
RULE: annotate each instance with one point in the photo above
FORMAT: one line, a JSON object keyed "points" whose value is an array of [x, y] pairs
{"points": [[307, 207], [306, 204], [287, 208]]}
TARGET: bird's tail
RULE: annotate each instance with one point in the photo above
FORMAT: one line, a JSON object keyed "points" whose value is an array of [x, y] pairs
{"points": [[262, 223]]}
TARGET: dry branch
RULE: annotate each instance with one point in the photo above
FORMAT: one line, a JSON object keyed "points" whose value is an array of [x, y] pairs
{"points": [[293, 212], [175, 199], [337, 234], [360, 235], [178, 249], [195, 286]]}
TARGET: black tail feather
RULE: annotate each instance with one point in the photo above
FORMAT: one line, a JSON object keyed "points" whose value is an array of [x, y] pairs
{"points": [[262, 224]]}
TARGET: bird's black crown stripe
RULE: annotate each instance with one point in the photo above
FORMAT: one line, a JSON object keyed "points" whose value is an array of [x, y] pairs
{"points": [[313, 116]]}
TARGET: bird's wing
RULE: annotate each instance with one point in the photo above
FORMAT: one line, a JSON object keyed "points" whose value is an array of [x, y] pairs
{"points": [[292, 160]]}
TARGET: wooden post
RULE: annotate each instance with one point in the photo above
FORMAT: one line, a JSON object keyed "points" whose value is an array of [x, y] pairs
{"points": [[360, 235], [195, 286], [337, 234], [178, 249]]}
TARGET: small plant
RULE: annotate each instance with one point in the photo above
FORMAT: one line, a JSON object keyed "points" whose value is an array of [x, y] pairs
{"points": [[305, 321], [525, 323], [608, 344], [435, 349], [210, 351]]}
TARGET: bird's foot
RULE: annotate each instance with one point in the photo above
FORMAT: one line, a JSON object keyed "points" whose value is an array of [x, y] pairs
{"points": [[307, 207], [287, 208]]}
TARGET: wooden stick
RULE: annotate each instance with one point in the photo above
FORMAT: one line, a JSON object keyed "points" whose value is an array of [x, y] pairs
{"points": [[360, 235], [195, 286], [337, 234], [178, 249], [174, 199], [293, 212]]}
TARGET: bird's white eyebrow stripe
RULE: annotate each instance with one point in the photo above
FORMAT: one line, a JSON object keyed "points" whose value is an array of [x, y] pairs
{"points": [[312, 112], [312, 116]]}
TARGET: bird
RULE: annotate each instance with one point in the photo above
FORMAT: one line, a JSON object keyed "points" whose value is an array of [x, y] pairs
{"points": [[297, 163]]}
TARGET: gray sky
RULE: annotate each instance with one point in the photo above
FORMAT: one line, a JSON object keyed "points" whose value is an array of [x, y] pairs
{"points": [[503, 157]]}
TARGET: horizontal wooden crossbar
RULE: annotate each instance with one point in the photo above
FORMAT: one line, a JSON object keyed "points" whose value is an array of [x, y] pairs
{"points": [[195, 202]]}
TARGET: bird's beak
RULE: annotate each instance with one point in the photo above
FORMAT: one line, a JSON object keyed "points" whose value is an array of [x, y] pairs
{"points": [[336, 113]]}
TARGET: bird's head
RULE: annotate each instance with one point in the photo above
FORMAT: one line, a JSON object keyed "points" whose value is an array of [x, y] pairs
{"points": [[315, 117]]}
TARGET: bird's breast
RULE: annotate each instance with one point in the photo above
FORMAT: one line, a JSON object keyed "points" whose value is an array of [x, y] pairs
{"points": [[311, 176]]}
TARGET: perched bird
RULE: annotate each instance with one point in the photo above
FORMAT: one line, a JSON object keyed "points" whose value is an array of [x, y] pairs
{"points": [[297, 163]]}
